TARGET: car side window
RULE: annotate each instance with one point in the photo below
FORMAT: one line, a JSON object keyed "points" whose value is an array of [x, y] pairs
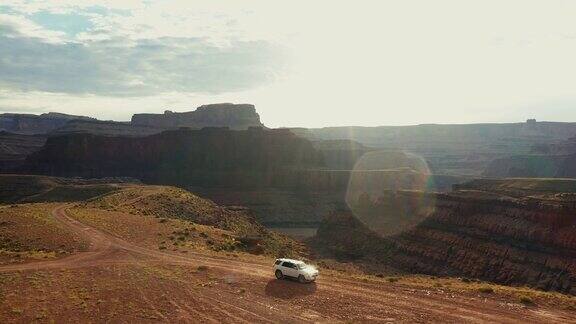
{"points": [[287, 265]]}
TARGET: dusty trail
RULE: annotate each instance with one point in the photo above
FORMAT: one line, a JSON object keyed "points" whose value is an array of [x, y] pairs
{"points": [[330, 298]]}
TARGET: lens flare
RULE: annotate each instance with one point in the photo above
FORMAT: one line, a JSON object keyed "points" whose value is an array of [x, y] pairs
{"points": [[389, 191]]}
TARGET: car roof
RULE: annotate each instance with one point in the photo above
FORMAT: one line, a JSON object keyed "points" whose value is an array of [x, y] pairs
{"points": [[291, 260]]}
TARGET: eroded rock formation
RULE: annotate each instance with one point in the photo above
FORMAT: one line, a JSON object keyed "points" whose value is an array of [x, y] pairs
{"points": [[484, 235], [234, 116]]}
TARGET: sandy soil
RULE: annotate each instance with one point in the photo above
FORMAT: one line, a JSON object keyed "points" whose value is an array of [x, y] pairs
{"points": [[119, 281]]}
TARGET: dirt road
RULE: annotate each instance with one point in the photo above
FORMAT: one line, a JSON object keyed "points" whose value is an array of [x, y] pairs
{"points": [[263, 299]]}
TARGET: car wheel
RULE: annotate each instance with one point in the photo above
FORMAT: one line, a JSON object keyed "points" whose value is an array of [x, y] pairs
{"points": [[279, 274], [302, 279]]}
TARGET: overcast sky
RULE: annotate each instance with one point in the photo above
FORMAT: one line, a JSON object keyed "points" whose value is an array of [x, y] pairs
{"points": [[302, 63]]}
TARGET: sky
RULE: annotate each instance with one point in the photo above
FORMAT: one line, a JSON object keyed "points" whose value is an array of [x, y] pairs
{"points": [[302, 63]]}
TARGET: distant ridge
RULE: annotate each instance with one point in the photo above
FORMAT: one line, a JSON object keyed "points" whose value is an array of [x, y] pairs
{"points": [[234, 116]]}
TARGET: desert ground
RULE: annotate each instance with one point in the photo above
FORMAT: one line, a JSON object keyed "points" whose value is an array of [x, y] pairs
{"points": [[114, 266]]}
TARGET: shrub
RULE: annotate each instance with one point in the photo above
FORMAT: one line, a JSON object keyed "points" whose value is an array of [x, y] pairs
{"points": [[486, 289], [202, 268], [392, 279], [526, 300]]}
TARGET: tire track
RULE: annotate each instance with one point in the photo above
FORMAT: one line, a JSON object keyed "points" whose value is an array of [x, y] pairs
{"points": [[107, 249]]}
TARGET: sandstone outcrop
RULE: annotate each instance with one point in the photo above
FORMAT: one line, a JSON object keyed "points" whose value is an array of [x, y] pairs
{"points": [[234, 116]]}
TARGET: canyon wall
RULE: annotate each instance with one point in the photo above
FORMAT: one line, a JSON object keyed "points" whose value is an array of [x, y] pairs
{"points": [[553, 160], [14, 148], [489, 236], [207, 157]]}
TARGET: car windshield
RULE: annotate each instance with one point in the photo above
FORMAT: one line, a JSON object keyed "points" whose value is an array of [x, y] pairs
{"points": [[302, 266]]}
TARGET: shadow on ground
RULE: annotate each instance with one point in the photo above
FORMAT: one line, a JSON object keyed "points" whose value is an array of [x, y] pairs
{"points": [[287, 289]]}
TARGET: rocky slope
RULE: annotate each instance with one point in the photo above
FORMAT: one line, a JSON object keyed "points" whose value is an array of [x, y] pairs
{"points": [[234, 116], [471, 233]]}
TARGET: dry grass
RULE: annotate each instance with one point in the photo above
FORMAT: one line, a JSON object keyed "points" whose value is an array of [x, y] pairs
{"points": [[164, 234], [521, 295], [28, 231], [170, 204]]}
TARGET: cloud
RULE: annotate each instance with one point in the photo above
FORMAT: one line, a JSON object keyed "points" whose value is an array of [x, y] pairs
{"points": [[32, 59], [333, 62], [13, 26]]}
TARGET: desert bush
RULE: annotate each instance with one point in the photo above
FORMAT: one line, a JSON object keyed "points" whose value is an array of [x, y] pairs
{"points": [[486, 289], [526, 300]]}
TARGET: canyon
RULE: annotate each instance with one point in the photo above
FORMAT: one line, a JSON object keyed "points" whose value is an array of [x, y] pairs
{"points": [[141, 253], [555, 160], [406, 199], [505, 231], [453, 149], [23, 134]]}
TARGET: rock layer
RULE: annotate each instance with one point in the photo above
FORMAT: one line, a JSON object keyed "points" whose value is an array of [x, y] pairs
{"points": [[472, 234]]}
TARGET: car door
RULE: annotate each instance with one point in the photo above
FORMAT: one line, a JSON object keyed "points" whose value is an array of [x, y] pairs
{"points": [[289, 269]]}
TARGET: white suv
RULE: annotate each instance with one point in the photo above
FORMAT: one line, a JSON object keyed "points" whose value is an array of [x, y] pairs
{"points": [[295, 269]]}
